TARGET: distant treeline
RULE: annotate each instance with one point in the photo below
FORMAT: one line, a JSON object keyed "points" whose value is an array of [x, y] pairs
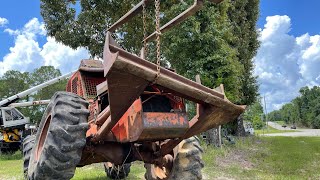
{"points": [[303, 110], [13, 82]]}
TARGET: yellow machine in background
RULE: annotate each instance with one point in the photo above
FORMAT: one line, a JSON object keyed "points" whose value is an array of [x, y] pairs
{"points": [[11, 135]]}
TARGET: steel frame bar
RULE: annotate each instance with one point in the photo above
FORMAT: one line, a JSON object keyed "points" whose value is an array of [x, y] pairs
{"points": [[30, 103], [197, 5], [130, 14], [22, 94]]}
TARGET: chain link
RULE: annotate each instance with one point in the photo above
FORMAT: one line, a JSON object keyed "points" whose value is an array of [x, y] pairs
{"points": [[144, 17], [158, 34]]}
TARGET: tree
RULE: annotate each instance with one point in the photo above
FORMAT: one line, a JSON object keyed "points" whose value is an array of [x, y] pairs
{"points": [[38, 76], [87, 27], [212, 37], [203, 49], [275, 116], [14, 82], [43, 74], [253, 114], [303, 110], [244, 16]]}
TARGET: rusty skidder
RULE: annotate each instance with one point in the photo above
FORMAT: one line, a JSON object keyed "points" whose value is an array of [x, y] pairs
{"points": [[126, 109]]}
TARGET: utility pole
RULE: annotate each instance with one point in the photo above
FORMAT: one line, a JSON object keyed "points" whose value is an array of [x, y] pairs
{"points": [[265, 110]]}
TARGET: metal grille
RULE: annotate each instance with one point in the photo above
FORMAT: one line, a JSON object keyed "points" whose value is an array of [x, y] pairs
{"points": [[74, 85], [68, 87], [90, 84]]}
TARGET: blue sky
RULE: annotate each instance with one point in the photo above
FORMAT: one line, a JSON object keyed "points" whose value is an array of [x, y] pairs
{"points": [[18, 13], [305, 15], [288, 58]]}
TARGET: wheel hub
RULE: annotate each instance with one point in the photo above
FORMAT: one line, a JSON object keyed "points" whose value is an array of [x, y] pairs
{"points": [[163, 171], [43, 137]]}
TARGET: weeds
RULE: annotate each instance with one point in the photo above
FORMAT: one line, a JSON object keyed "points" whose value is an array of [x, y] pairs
{"points": [[15, 156]]}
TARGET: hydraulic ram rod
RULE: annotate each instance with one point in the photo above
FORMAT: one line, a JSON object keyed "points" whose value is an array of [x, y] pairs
{"points": [[22, 94], [30, 103]]}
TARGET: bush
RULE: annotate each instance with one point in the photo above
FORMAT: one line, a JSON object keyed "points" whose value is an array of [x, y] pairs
{"points": [[257, 122]]}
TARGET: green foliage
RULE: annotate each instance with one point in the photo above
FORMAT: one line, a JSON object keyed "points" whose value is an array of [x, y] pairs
{"points": [[254, 114], [218, 43], [203, 49], [275, 116], [243, 16], [303, 110], [257, 122], [13, 82]]}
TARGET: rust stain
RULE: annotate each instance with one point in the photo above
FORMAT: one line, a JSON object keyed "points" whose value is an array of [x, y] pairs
{"points": [[93, 129]]}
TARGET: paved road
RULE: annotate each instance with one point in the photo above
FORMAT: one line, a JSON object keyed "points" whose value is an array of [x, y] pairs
{"points": [[301, 132], [277, 126]]}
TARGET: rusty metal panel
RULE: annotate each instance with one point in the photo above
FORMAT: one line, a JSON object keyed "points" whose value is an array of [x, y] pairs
{"points": [[91, 65], [128, 75], [210, 117], [160, 126], [136, 125], [101, 88], [123, 90], [132, 117], [75, 85], [117, 59]]}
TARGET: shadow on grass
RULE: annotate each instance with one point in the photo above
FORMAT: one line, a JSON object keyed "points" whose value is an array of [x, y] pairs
{"points": [[130, 177]]}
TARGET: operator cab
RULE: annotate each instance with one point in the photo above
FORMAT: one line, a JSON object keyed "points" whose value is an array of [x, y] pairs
{"points": [[11, 117]]}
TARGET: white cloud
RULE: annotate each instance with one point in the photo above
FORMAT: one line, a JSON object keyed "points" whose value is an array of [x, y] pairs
{"points": [[62, 57], [26, 54], [3, 21], [285, 63]]}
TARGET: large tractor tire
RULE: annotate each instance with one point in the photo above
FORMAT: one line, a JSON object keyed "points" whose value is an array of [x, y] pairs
{"points": [[117, 171], [27, 145], [187, 163], [60, 138]]}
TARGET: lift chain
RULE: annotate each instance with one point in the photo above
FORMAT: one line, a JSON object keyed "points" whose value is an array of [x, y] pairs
{"points": [[144, 17], [158, 34]]}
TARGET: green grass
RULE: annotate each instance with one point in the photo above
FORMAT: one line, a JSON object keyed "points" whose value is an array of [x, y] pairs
{"points": [[265, 158], [250, 158], [11, 166], [296, 158], [11, 169], [271, 130]]}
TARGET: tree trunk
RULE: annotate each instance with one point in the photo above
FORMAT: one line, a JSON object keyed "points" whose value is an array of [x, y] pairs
{"points": [[213, 137], [240, 132]]}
